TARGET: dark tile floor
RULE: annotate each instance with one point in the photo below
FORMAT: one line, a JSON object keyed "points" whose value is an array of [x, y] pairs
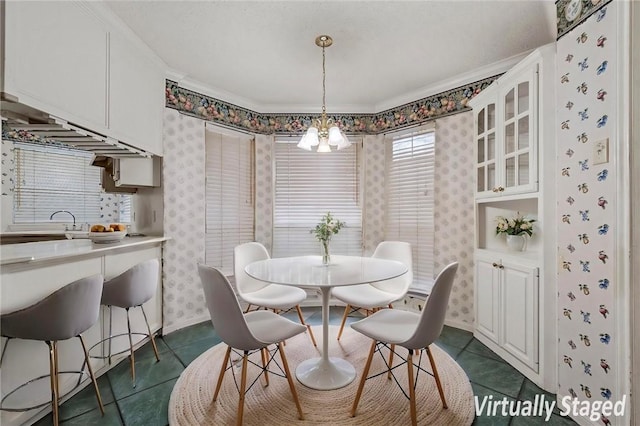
{"points": [[147, 403]]}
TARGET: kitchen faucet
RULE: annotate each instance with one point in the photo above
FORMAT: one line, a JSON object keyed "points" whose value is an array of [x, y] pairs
{"points": [[64, 211]]}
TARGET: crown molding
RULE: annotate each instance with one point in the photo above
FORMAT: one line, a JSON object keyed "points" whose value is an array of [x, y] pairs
{"points": [[496, 68]]}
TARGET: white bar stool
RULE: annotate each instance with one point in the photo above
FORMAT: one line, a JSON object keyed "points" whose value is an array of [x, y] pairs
{"points": [[128, 290], [66, 313]]}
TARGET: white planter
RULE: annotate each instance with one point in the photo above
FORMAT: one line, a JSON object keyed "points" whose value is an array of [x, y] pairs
{"points": [[517, 242]]}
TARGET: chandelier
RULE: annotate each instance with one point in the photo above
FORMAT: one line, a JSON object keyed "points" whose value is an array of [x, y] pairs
{"points": [[324, 133]]}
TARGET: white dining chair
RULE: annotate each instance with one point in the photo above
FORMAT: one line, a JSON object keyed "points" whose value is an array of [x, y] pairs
{"points": [[380, 294], [410, 330], [263, 294], [245, 333]]}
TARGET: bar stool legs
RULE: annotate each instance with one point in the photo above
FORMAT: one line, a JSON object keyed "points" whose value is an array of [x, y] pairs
{"points": [[132, 354], [93, 377], [132, 358], [54, 382], [153, 340]]}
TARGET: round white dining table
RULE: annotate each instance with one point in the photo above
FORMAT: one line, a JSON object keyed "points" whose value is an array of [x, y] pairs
{"points": [[325, 373]]}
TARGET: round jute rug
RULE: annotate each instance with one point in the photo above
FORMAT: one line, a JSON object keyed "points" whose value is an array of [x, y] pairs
{"points": [[382, 402]]}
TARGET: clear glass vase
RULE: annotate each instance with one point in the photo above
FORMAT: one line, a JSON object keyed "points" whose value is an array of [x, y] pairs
{"points": [[326, 256]]}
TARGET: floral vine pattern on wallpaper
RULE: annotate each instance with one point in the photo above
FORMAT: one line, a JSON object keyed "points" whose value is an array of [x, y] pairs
{"points": [[586, 223], [207, 108]]}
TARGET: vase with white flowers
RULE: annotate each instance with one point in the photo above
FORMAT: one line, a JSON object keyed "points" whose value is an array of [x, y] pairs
{"points": [[324, 230], [516, 229]]}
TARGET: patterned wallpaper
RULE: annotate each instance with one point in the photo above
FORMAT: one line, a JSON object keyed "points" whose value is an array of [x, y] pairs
{"points": [[586, 93], [578, 10], [374, 188], [264, 191], [454, 207], [218, 111], [184, 219]]}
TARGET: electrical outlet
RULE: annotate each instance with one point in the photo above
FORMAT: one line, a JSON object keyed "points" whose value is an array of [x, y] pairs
{"points": [[601, 151]]}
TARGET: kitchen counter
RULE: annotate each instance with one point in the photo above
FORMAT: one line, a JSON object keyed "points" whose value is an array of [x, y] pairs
{"points": [[59, 249], [29, 272]]}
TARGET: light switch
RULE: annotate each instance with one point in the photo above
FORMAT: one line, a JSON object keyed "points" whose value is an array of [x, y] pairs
{"points": [[601, 151]]}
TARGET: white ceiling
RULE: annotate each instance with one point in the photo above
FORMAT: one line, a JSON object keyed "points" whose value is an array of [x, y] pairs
{"points": [[261, 54]]}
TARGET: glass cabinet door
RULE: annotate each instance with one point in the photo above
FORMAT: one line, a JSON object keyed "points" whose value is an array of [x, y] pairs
{"points": [[517, 165], [486, 148]]}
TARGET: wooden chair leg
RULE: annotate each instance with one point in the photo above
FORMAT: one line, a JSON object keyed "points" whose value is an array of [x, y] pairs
{"points": [[53, 379], [132, 356], [412, 391], [265, 357], [223, 369], [243, 388], [363, 378], [344, 320], [393, 348], [93, 377], [313, 339], [437, 377], [57, 376], [285, 365], [153, 340]]}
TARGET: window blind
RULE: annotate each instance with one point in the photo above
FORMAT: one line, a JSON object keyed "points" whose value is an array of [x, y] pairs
{"points": [[410, 199], [53, 178], [308, 185], [229, 197]]}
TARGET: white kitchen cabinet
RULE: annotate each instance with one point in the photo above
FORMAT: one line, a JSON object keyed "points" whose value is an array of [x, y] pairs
{"points": [[506, 133], [64, 59], [136, 96], [507, 308], [56, 60]]}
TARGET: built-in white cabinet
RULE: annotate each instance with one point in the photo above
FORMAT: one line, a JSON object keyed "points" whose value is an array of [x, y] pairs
{"points": [[56, 60], [505, 133], [514, 142], [64, 59], [507, 306]]}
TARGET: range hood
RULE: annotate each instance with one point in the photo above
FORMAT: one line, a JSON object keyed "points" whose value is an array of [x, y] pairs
{"points": [[46, 128]]}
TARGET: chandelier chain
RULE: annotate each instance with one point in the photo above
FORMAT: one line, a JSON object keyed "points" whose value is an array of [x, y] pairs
{"points": [[324, 109]]}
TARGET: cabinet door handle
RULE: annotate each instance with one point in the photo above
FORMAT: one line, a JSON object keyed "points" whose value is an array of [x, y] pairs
{"points": [[495, 189], [497, 265], [500, 188], [494, 264], [500, 266]]}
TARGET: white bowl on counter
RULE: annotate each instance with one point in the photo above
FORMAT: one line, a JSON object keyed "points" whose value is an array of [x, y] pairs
{"points": [[107, 237]]}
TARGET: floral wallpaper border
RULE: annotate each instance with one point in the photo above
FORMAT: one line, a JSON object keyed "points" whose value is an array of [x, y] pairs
{"points": [[436, 106], [24, 136], [586, 9]]}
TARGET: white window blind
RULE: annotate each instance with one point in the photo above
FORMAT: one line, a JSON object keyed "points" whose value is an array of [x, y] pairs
{"points": [[308, 185], [410, 199], [52, 178], [229, 197]]}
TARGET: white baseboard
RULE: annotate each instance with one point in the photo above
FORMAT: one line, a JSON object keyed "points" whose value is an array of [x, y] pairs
{"points": [[191, 321], [459, 324]]}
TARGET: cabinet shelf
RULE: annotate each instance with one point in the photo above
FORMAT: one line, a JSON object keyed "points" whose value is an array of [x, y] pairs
{"points": [[529, 258]]}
